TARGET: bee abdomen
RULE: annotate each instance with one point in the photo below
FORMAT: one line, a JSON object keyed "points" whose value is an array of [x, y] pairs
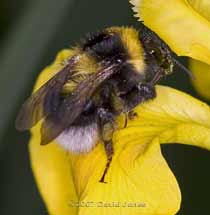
{"points": [[79, 139]]}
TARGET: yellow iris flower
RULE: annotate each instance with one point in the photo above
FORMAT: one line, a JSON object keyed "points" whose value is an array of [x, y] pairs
{"points": [[185, 26], [139, 179]]}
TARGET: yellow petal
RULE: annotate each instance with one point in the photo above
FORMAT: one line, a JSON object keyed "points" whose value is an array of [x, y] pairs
{"points": [[53, 175], [175, 117], [139, 179], [182, 27], [201, 72], [202, 7]]}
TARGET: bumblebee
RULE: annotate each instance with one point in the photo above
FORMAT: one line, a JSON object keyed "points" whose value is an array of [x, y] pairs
{"points": [[109, 73]]}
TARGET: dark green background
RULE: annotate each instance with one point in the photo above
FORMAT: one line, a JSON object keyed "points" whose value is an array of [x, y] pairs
{"points": [[31, 33]]}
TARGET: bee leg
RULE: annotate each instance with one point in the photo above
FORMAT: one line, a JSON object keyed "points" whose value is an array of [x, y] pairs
{"points": [[106, 129], [126, 119], [109, 152], [147, 91], [141, 93]]}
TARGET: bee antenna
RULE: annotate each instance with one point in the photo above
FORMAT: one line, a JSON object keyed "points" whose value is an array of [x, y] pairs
{"points": [[184, 68]]}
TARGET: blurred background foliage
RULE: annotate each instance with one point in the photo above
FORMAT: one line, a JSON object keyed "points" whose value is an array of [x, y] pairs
{"points": [[31, 34]]}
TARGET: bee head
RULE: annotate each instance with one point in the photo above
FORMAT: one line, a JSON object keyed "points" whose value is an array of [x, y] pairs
{"points": [[156, 51]]}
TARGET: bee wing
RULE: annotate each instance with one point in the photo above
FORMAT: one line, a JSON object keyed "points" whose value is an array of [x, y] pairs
{"points": [[45, 100], [73, 105]]}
